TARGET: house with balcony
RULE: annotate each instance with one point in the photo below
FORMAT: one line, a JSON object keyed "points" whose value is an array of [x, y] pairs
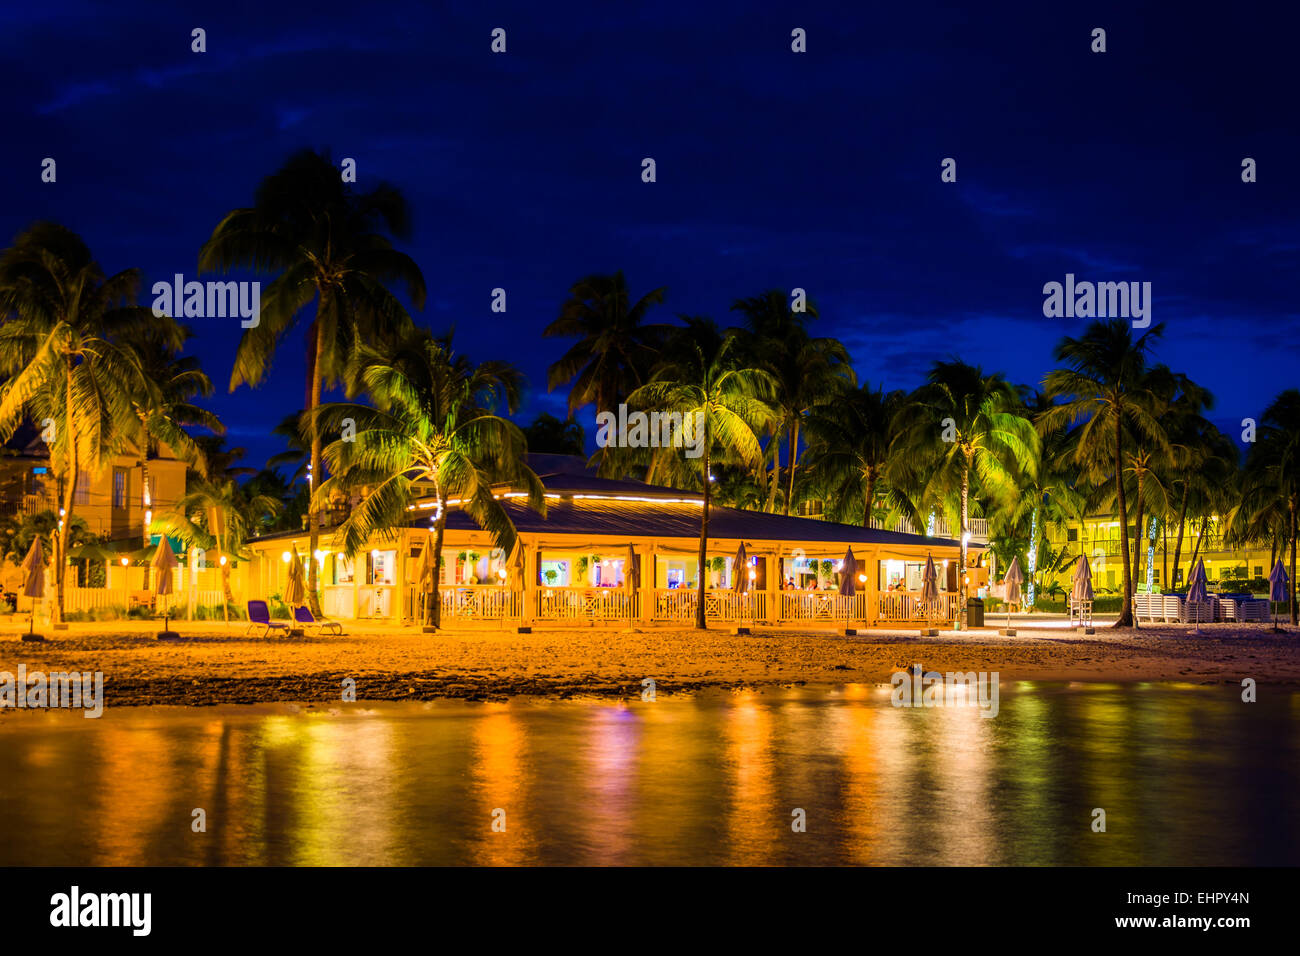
{"points": [[117, 503], [574, 562]]}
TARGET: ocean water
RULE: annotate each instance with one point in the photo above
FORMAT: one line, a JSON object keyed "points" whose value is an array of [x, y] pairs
{"points": [[1185, 775]]}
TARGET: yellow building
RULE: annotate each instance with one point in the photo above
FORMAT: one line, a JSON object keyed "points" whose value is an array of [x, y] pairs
{"points": [[574, 562], [116, 503], [1099, 538]]}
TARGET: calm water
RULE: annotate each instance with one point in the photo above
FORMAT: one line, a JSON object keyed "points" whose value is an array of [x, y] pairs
{"points": [[1187, 775]]}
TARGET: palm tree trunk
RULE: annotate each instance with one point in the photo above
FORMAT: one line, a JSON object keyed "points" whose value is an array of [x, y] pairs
{"points": [[69, 496], [433, 610], [1138, 539], [1178, 541], [1293, 549], [315, 351], [794, 448], [961, 565], [774, 476], [870, 497], [1126, 610], [700, 621], [1200, 536]]}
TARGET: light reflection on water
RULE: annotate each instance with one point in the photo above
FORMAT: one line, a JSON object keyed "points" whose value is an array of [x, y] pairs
{"points": [[1187, 776]]}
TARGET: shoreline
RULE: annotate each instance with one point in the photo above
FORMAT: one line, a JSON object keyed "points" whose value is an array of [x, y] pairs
{"points": [[213, 665]]}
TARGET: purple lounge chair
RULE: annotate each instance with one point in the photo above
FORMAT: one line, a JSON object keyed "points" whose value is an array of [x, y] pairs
{"points": [[259, 615], [302, 615]]}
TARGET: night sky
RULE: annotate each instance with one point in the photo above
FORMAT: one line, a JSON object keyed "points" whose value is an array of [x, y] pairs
{"points": [[775, 169]]}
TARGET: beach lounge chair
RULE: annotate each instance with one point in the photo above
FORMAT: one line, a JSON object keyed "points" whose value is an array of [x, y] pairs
{"points": [[1173, 607], [259, 615], [302, 615], [1253, 610]]}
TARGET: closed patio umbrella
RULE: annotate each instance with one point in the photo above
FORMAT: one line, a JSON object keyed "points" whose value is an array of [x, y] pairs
{"points": [[740, 571], [426, 580], [295, 588], [1196, 589], [631, 579], [929, 587], [1278, 590], [33, 569], [1081, 585], [1013, 579], [164, 561], [848, 582]]}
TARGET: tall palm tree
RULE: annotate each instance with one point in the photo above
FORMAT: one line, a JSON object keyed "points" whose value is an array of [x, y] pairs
{"points": [[1105, 389], [727, 402], [58, 345], [432, 425], [615, 350], [325, 242], [165, 409], [963, 424], [1271, 478], [849, 450], [808, 371], [1050, 500]]}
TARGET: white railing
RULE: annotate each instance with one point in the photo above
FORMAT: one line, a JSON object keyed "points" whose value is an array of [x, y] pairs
{"points": [[679, 604], [800, 606], [979, 528], [898, 606], [89, 599], [480, 602], [586, 604]]}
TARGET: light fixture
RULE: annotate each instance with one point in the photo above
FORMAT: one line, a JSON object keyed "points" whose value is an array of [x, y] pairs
{"points": [[223, 560], [285, 557], [125, 562]]}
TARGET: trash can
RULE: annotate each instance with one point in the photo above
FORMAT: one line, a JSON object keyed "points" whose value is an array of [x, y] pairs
{"points": [[974, 612]]}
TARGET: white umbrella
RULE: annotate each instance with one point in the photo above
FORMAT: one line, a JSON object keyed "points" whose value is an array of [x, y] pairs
{"points": [[164, 561], [1196, 590], [1081, 585], [1013, 579], [33, 568], [1278, 590], [929, 587]]}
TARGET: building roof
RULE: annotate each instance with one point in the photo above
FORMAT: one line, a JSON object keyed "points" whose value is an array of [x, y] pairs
{"points": [[583, 504]]}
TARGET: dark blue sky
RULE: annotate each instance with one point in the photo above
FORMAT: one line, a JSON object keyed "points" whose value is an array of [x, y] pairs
{"points": [[775, 169]]}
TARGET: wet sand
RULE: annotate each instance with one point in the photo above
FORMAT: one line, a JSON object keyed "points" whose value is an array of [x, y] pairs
{"points": [[215, 665]]}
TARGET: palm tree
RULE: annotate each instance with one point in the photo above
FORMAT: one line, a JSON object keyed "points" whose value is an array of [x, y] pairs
{"points": [[431, 426], [1271, 479], [548, 435], [1105, 389], [808, 371], [615, 349], [727, 402], [165, 409], [66, 370], [217, 512], [1051, 499], [849, 446], [326, 242], [963, 423]]}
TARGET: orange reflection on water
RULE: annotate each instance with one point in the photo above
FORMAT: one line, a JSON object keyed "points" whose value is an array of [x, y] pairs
{"points": [[499, 789], [752, 815]]}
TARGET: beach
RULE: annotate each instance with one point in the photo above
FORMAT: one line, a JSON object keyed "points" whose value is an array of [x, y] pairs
{"points": [[217, 664]]}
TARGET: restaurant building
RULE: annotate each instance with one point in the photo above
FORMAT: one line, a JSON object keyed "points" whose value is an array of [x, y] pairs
{"points": [[573, 563]]}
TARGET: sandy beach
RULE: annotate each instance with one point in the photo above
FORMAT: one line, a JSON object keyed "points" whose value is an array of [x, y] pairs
{"points": [[213, 664]]}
